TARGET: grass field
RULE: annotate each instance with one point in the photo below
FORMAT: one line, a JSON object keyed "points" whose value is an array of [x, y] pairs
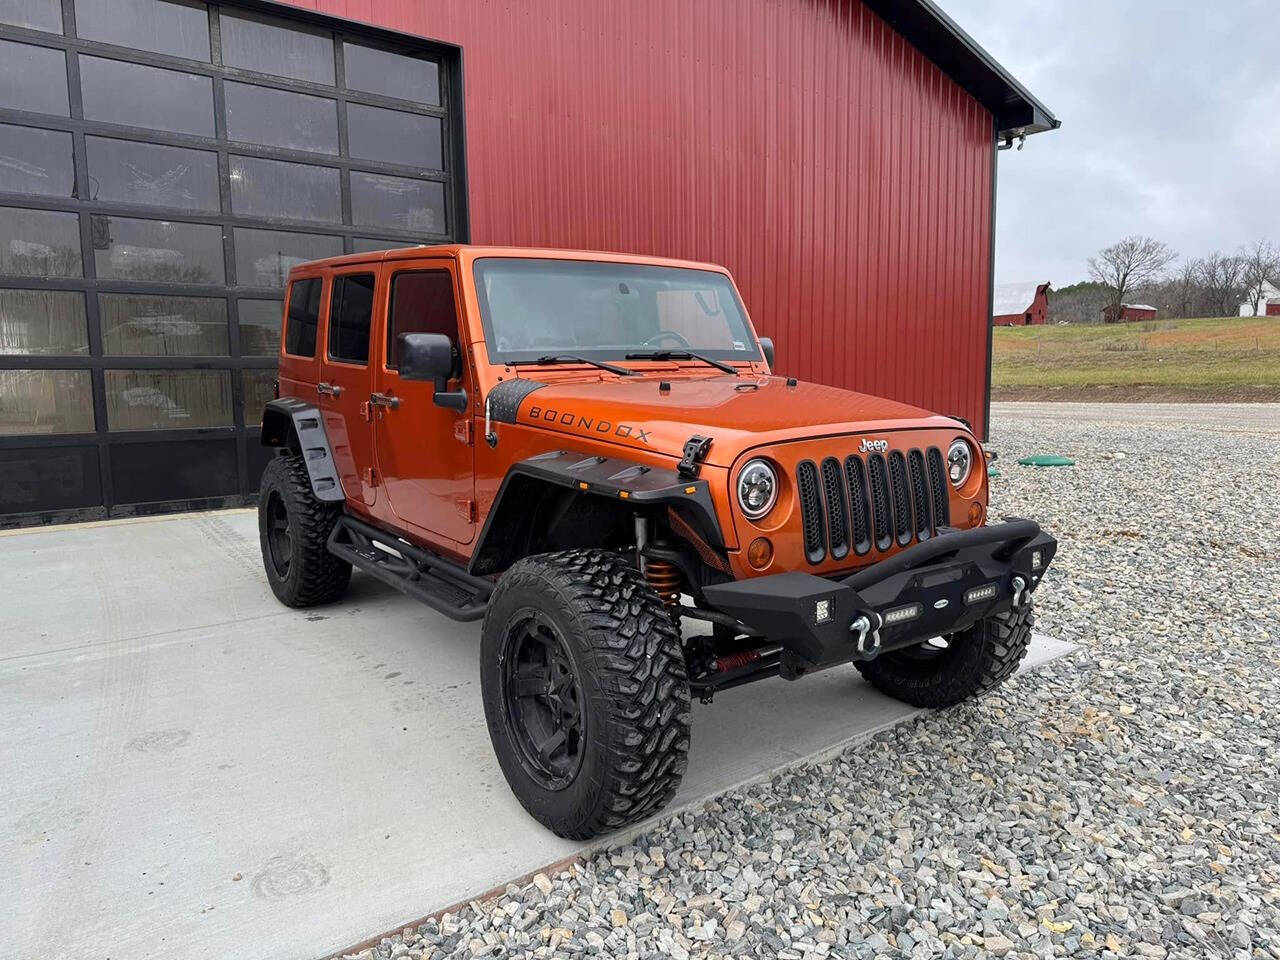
{"points": [[1232, 358]]}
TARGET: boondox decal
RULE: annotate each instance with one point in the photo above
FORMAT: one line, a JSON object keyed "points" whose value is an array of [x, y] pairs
{"points": [[588, 424]]}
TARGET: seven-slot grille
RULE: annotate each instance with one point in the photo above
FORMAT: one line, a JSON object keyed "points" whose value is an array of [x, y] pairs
{"points": [[877, 501]]}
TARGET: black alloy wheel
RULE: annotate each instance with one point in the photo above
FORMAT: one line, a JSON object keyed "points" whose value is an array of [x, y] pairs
{"points": [[279, 534], [543, 699]]}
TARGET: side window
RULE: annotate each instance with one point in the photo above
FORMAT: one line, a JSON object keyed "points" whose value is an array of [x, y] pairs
{"points": [[304, 318], [421, 302], [350, 310]]}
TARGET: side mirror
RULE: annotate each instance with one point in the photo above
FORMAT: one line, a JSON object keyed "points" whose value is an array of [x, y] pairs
{"points": [[431, 356], [766, 346]]}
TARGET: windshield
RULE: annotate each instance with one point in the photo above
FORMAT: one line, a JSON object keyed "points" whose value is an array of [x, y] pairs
{"points": [[534, 308]]}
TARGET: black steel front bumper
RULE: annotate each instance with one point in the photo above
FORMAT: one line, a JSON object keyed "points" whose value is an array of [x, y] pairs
{"points": [[938, 587]]}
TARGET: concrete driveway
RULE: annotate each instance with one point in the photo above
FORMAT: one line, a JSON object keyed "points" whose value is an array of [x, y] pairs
{"points": [[188, 769]]}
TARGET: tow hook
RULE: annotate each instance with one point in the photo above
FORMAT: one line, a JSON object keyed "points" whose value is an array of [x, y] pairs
{"points": [[1019, 592], [868, 635]]}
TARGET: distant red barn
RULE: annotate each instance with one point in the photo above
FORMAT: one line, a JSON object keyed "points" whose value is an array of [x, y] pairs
{"points": [[1128, 312], [1273, 308], [1020, 304]]}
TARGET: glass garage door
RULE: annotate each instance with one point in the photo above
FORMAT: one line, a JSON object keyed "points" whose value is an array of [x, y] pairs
{"points": [[162, 166]]}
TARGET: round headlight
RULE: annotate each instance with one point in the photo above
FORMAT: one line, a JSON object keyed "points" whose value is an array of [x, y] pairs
{"points": [[959, 462], [757, 489]]}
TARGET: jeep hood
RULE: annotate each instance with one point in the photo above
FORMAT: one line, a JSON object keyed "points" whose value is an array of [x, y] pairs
{"points": [[736, 412]]}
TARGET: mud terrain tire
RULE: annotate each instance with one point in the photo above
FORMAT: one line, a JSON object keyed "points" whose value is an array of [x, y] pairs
{"points": [[294, 528], [585, 691], [975, 661]]}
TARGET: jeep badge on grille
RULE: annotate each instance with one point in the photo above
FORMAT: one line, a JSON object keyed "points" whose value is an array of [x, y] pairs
{"points": [[874, 446]]}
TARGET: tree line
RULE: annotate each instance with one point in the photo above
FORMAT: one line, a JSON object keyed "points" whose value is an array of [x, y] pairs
{"points": [[1145, 270]]}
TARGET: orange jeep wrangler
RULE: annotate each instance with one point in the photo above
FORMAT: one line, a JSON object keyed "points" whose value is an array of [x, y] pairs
{"points": [[591, 451]]}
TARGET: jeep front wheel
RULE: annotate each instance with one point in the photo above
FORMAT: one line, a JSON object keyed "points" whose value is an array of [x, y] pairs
{"points": [[294, 528], [585, 691], [943, 672]]}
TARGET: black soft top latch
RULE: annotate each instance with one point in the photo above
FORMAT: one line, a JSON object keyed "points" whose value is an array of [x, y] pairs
{"points": [[695, 451]]}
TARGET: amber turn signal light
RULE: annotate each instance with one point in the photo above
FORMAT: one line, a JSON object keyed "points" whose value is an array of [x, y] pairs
{"points": [[975, 514], [760, 553]]}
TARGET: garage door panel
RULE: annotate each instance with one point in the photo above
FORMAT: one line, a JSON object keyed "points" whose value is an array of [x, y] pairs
{"points": [[170, 165], [169, 470], [47, 479]]}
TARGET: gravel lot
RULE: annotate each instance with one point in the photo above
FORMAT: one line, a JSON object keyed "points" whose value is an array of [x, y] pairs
{"points": [[1123, 801]]}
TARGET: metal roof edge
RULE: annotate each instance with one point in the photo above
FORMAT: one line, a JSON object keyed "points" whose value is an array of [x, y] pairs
{"points": [[926, 27]]}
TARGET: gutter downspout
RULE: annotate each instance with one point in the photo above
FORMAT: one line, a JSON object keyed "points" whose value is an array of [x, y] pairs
{"points": [[991, 281]]}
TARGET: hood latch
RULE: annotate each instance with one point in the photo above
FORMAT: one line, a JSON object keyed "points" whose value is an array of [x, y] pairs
{"points": [[695, 451]]}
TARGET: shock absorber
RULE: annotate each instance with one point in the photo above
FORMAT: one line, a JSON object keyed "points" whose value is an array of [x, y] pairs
{"points": [[663, 575]]}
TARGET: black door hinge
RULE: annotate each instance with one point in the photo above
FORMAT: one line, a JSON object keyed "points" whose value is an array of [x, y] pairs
{"points": [[695, 451]]}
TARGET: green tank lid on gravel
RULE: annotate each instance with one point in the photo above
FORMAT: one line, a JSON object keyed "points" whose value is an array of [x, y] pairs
{"points": [[1047, 460]]}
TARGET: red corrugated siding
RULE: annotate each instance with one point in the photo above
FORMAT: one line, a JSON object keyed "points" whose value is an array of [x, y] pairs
{"points": [[841, 176]]}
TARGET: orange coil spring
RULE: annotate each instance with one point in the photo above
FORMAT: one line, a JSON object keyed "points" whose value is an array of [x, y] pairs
{"points": [[665, 579]]}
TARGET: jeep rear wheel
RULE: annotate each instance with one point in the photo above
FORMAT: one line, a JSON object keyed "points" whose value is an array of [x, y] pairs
{"points": [[944, 672], [585, 691], [294, 528]]}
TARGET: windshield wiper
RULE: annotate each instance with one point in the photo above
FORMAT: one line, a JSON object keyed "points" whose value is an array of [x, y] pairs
{"points": [[572, 358], [681, 355]]}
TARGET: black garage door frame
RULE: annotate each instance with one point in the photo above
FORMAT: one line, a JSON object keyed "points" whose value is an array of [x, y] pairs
{"points": [[105, 473]]}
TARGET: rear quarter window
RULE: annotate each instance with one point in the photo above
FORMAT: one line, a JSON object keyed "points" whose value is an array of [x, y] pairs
{"points": [[302, 317]]}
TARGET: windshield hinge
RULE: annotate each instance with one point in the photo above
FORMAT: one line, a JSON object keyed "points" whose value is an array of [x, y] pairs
{"points": [[695, 451], [463, 431]]}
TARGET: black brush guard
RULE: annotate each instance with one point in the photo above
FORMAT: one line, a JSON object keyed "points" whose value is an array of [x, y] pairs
{"points": [[938, 587]]}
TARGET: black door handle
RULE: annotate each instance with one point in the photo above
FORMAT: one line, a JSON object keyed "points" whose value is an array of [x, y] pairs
{"points": [[328, 390], [384, 400]]}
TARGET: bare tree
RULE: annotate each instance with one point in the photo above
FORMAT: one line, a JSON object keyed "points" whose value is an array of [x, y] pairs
{"points": [[1185, 285], [1133, 262], [1222, 281], [1261, 266]]}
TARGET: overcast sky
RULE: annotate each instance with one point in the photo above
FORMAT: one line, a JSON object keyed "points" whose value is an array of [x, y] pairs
{"points": [[1170, 115]]}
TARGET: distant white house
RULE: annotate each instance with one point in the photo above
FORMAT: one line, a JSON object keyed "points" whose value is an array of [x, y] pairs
{"points": [[1270, 298]]}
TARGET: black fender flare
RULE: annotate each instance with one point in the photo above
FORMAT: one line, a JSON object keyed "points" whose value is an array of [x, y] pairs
{"points": [[624, 482], [287, 421]]}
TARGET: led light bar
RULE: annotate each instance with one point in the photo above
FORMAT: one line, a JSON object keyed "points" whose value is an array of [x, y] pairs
{"points": [[978, 594], [902, 614]]}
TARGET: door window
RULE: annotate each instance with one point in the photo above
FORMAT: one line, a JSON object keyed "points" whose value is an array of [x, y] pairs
{"points": [[304, 318], [350, 310], [421, 302]]}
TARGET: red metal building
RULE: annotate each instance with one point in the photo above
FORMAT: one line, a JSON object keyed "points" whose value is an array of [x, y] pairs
{"points": [[829, 153], [1020, 304], [1129, 312], [1273, 308], [171, 161]]}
